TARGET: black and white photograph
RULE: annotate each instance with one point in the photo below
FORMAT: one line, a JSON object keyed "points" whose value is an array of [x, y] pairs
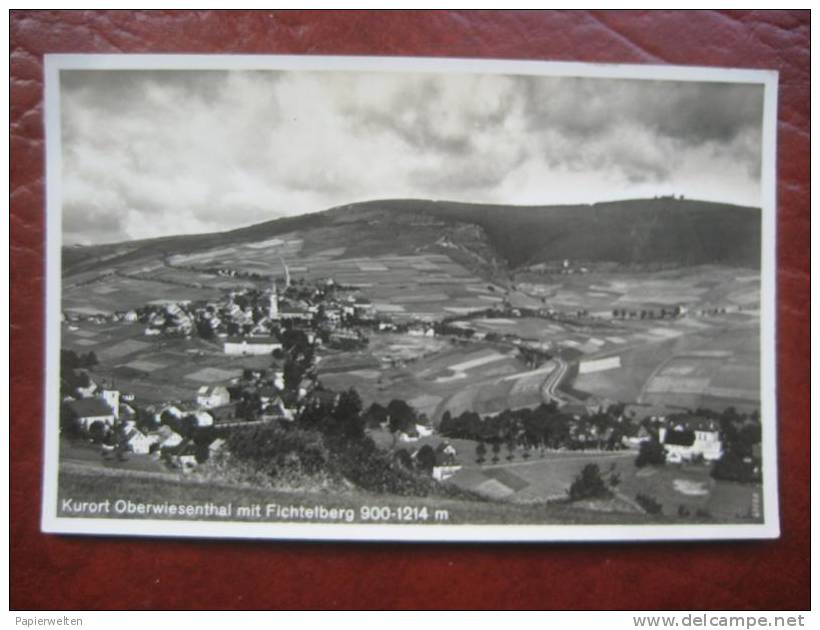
{"points": [[366, 298]]}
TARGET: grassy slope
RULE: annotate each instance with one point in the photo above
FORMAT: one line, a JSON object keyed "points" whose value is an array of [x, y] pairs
{"points": [[82, 486]]}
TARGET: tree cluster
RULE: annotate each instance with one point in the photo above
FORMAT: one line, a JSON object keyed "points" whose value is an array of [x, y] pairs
{"points": [[546, 426], [589, 484], [330, 439]]}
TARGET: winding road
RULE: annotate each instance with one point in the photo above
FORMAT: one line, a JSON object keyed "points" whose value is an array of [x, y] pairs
{"points": [[552, 381]]}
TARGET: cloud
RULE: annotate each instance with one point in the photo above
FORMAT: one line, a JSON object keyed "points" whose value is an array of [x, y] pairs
{"points": [[160, 152]]}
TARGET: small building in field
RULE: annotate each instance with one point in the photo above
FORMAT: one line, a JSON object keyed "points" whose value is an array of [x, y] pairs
{"points": [[323, 397], [251, 346], [216, 446], [424, 430], [441, 473], [212, 396], [445, 454]]}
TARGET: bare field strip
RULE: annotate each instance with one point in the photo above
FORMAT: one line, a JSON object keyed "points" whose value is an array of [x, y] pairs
{"points": [[146, 366], [666, 333], [483, 359], [599, 365], [123, 348], [677, 385], [733, 392], [213, 375], [84, 310], [83, 342], [84, 333], [422, 297], [370, 267], [104, 290], [273, 242], [388, 308]]}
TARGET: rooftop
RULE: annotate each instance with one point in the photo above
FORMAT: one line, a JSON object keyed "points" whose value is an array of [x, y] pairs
{"points": [[89, 407], [252, 340]]}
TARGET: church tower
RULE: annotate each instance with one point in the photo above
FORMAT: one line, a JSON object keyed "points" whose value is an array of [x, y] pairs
{"points": [[287, 272], [273, 304]]}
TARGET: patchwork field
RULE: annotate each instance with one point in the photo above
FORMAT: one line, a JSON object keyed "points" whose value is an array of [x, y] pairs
{"points": [[154, 370], [696, 288], [612, 359], [437, 375], [116, 293], [711, 362]]}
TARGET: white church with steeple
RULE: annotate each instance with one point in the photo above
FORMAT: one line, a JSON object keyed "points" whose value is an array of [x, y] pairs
{"points": [[273, 304]]}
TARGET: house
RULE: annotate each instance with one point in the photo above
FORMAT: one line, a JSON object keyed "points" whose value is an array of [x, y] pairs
{"points": [[216, 446], [268, 394], [690, 439], [295, 313], [324, 398], [635, 441], [166, 437], [126, 412], [639, 411], [251, 346], [445, 454], [363, 305], [306, 386], [187, 462], [424, 431], [138, 442], [409, 435], [112, 399], [87, 411], [441, 473], [279, 379], [223, 413], [212, 396], [87, 392], [202, 418]]}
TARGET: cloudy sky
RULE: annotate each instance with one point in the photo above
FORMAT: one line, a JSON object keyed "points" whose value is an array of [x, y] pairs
{"points": [[151, 153]]}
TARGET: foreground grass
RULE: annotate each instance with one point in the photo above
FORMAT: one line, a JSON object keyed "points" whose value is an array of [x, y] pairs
{"points": [[82, 486]]}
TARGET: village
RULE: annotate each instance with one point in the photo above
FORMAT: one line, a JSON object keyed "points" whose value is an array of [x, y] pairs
{"points": [[290, 327]]}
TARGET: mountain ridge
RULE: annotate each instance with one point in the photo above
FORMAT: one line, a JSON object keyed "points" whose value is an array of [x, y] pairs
{"points": [[640, 231]]}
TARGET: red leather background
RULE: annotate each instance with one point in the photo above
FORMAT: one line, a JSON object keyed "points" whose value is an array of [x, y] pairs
{"points": [[72, 572]]}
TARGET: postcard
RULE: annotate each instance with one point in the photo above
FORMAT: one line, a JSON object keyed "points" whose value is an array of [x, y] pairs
{"points": [[411, 299]]}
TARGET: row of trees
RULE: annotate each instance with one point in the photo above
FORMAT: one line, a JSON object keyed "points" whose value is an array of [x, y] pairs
{"points": [[662, 313], [546, 426]]}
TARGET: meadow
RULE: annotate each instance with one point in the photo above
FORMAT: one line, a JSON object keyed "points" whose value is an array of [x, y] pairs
{"points": [[547, 475]]}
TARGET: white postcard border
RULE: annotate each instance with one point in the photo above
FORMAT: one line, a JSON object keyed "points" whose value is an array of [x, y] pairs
{"points": [[52, 523]]}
